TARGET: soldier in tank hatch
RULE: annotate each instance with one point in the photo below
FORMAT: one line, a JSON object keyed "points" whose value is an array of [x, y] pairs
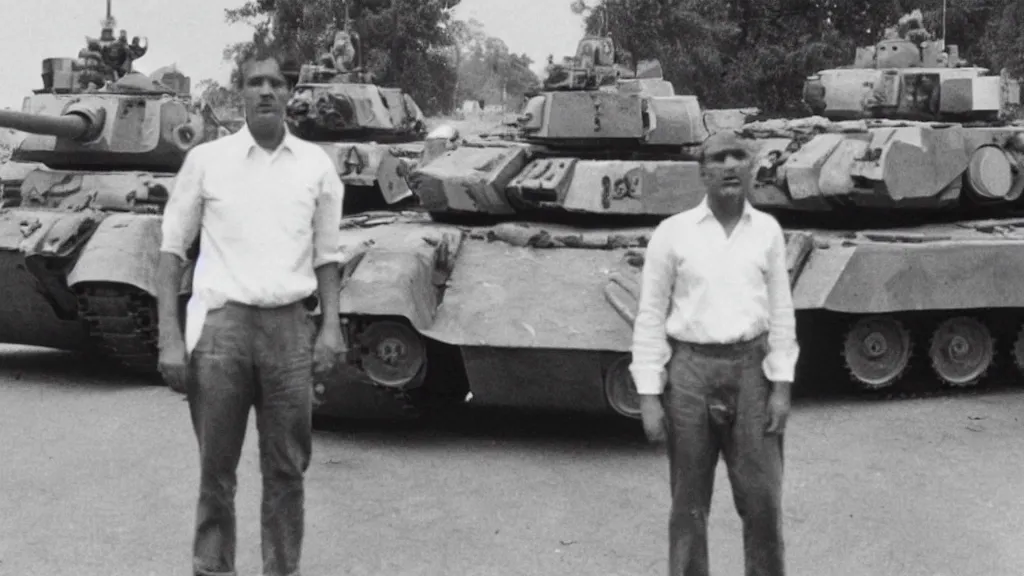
{"points": [[267, 207], [714, 353]]}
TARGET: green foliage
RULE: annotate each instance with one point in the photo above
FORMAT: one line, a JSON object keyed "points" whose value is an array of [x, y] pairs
{"points": [[758, 52], [487, 70], [730, 53], [1003, 42], [404, 41]]}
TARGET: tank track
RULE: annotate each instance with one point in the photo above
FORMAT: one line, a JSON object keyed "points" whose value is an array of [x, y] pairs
{"points": [[933, 390], [440, 384], [121, 322], [920, 378]]}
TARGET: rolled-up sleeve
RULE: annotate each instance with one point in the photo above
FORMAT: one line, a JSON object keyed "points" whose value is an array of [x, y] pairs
{"points": [[183, 214], [327, 218], [651, 349]]}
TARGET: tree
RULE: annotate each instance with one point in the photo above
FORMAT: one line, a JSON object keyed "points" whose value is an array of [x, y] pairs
{"points": [[758, 52], [1004, 41], [226, 102], [405, 42], [487, 69]]}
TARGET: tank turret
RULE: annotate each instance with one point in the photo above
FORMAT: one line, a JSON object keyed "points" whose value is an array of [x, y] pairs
{"points": [[909, 128], [118, 127], [97, 113], [910, 74], [337, 99], [602, 137], [99, 148], [595, 100], [373, 133]]}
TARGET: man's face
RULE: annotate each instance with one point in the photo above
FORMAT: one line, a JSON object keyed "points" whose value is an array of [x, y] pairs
{"points": [[727, 167], [265, 92]]}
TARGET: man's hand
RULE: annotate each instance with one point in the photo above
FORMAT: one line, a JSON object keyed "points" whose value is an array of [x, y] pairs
{"points": [[653, 415], [173, 364], [329, 347], [778, 408]]}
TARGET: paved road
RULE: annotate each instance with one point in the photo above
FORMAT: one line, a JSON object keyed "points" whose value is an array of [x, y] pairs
{"points": [[99, 477]]}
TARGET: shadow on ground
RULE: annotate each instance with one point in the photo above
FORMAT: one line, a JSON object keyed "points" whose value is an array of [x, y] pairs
{"points": [[62, 368]]}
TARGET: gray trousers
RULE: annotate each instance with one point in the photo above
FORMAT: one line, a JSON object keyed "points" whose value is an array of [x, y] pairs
{"points": [[716, 401], [263, 358]]}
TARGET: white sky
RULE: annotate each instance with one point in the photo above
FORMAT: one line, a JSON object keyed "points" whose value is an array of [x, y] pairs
{"points": [[193, 34]]}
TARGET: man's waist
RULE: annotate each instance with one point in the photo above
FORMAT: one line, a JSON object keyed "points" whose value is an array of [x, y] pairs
{"points": [[717, 330], [309, 303], [729, 348], [213, 299]]}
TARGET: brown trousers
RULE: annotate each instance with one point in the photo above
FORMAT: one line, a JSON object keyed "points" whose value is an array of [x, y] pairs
{"points": [[716, 401], [263, 358]]}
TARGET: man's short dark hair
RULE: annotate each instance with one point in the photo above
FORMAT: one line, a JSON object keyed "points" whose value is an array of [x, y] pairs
{"points": [[702, 150], [258, 52]]}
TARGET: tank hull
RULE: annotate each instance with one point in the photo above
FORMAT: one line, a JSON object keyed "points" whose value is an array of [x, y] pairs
{"points": [[520, 314], [78, 255], [541, 315], [374, 174]]}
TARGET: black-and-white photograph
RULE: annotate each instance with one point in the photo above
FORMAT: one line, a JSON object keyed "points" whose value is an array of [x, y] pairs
{"points": [[512, 287]]}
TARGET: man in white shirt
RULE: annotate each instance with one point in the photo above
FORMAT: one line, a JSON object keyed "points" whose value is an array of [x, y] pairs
{"points": [[267, 208], [714, 351]]}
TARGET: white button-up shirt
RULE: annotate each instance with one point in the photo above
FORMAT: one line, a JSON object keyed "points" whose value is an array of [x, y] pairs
{"points": [[702, 287], [265, 221]]}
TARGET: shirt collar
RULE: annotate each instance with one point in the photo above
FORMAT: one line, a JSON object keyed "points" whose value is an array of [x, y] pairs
{"points": [[249, 143], [704, 211]]}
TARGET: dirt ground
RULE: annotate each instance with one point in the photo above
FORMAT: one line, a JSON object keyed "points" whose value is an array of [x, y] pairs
{"points": [[99, 476]]}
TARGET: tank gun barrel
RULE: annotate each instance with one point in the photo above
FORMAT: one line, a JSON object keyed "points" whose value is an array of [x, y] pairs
{"points": [[73, 125]]}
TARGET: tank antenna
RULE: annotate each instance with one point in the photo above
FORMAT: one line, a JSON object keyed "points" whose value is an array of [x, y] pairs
{"points": [[943, 21], [109, 21]]}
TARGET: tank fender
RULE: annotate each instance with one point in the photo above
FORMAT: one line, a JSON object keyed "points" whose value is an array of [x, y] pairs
{"points": [[124, 249], [622, 291], [398, 270], [528, 285], [524, 297], [876, 274], [47, 233]]}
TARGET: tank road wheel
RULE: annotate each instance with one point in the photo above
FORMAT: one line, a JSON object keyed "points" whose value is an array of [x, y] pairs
{"points": [[877, 351], [619, 389], [961, 351], [1018, 351], [393, 354]]}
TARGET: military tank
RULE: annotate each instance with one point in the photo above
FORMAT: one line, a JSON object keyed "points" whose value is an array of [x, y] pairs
{"points": [[510, 284], [373, 133], [902, 195], [79, 244]]}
